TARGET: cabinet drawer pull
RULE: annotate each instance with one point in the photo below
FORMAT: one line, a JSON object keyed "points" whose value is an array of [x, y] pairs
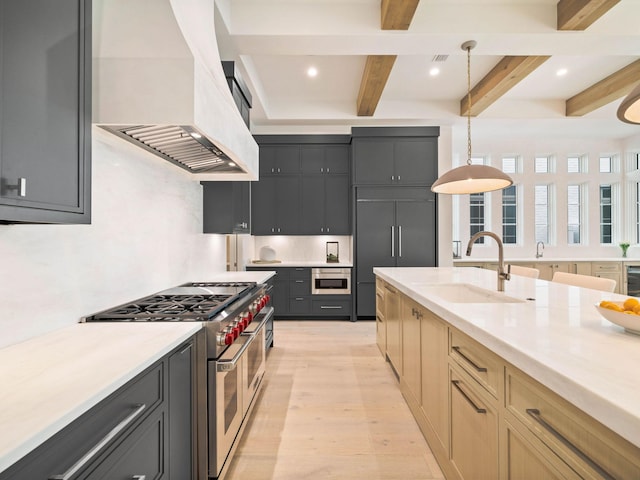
{"points": [[139, 477], [468, 360], [88, 457], [335, 307], [466, 397], [299, 299], [299, 281], [537, 416]]}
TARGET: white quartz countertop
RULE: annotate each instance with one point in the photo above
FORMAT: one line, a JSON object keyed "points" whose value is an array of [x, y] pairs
{"points": [[558, 338], [301, 263], [242, 276], [544, 259], [49, 381]]}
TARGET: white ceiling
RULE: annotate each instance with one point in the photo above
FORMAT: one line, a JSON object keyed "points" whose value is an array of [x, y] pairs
{"points": [[275, 41]]}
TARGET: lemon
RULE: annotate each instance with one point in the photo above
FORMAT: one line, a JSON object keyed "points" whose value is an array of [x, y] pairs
{"points": [[631, 303]]}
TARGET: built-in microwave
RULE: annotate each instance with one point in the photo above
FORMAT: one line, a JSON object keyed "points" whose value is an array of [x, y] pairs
{"points": [[330, 281]]}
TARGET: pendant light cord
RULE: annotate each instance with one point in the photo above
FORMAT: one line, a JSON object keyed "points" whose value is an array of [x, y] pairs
{"points": [[469, 105]]}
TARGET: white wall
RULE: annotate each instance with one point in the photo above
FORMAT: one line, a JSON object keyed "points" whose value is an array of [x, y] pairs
{"points": [[145, 236]]}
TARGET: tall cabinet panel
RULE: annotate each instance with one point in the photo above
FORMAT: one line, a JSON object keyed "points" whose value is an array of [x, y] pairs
{"points": [[45, 111], [395, 212]]}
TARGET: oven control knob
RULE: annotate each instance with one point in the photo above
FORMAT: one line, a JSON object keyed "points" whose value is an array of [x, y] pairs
{"points": [[228, 338], [240, 326], [247, 319]]}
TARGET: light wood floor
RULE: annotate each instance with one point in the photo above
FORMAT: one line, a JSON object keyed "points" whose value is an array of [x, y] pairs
{"points": [[330, 408]]}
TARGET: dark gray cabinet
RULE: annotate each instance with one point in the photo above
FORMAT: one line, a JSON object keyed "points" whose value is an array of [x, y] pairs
{"points": [[226, 207], [142, 429], [279, 160], [394, 228], [45, 111], [397, 156], [304, 186], [275, 205]]}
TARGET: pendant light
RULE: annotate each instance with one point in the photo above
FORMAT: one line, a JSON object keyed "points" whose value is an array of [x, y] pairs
{"points": [[471, 178], [629, 109]]}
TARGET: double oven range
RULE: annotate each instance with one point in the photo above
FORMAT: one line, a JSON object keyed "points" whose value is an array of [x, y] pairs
{"points": [[237, 319]]}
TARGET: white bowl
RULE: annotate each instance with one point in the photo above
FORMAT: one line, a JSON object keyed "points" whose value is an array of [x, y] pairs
{"points": [[630, 322]]}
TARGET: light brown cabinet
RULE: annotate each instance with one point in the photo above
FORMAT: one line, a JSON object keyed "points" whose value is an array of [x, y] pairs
{"points": [[474, 428], [381, 326], [482, 417], [435, 374], [393, 312]]}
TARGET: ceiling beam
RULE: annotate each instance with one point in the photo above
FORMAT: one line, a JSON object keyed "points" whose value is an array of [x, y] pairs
{"points": [[397, 14], [615, 86], [507, 73], [375, 76], [579, 14]]}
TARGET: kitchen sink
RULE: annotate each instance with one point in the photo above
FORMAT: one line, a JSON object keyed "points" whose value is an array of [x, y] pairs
{"points": [[467, 293]]}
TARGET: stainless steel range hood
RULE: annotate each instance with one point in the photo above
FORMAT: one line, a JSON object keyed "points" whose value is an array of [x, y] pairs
{"points": [[159, 84]]}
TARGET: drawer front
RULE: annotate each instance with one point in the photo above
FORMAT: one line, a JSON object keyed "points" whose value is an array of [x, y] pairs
{"points": [[300, 272], [123, 408], [331, 307], [140, 455], [585, 445], [299, 287], [605, 267], [477, 361], [299, 305]]}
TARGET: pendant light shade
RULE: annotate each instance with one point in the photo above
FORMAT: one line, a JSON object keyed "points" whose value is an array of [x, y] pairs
{"points": [[471, 178], [629, 109]]}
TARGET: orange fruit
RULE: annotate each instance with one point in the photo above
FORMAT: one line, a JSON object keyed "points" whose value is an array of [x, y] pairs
{"points": [[631, 303]]}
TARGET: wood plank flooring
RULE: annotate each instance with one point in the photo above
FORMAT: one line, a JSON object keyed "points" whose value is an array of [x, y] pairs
{"points": [[330, 408]]}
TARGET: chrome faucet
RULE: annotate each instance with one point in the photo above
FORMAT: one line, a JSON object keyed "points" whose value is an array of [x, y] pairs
{"points": [[502, 274], [538, 252]]}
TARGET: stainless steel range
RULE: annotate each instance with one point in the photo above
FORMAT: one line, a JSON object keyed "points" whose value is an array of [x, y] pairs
{"points": [[238, 324]]}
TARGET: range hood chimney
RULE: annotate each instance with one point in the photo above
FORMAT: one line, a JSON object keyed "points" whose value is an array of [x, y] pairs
{"points": [[159, 83]]}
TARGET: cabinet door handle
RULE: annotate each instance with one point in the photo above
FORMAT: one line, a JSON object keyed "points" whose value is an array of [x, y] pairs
{"points": [[399, 240], [139, 477], [299, 281], [468, 360], [467, 398], [537, 416], [393, 242], [88, 457], [22, 187]]}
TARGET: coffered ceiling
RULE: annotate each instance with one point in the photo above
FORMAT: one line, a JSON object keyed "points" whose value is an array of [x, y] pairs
{"points": [[374, 58]]}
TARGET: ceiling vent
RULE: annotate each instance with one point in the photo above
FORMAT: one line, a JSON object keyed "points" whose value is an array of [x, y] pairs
{"points": [[440, 58]]}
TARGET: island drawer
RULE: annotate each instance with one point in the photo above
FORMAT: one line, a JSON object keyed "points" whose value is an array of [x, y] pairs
{"points": [[476, 360], [584, 444]]}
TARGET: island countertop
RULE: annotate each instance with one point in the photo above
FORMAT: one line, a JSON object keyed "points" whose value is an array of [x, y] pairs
{"points": [[555, 335]]}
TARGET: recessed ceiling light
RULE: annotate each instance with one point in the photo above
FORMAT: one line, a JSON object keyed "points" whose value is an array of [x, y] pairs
{"points": [[562, 72], [231, 164], [312, 71], [434, 71], [195, 135]]}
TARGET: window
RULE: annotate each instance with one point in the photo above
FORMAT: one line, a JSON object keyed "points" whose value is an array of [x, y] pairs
{"points": [[606, 164], [573, 165], [606, 222], [573, 214], [509, 215], [510, 165], [542, 213], [476, 214], [542, 165]]}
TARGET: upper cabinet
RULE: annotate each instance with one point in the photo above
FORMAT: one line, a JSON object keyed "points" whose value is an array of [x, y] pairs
{"points": [[304, 186], [395, 155], [226, 207], [45, 111]]}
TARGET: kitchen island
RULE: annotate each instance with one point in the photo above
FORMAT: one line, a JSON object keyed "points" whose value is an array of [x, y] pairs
{"points": [[537, 336]]}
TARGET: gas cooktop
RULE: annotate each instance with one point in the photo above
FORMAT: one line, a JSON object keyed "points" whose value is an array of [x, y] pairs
{"points": [[191, 301]]}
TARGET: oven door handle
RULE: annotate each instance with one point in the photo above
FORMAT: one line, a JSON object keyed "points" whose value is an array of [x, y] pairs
{"points": [[229, 365], [252, 333]]}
